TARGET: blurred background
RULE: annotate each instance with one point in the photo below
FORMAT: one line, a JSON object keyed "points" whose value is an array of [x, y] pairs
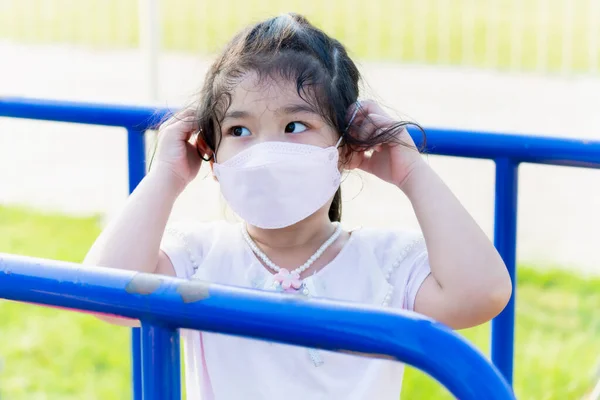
{"points": [[509, 66]]}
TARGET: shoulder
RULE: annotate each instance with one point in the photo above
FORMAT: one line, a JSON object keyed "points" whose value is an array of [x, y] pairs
{"points": [[187, 243], [389, 245], [200, 233], [401, 255]]}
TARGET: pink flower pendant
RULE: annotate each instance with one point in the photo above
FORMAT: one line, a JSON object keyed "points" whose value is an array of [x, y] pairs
{"points": [[289, 281]]}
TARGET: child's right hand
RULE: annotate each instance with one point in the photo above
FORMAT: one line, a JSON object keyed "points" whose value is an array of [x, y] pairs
{"points": [[175, 156]]}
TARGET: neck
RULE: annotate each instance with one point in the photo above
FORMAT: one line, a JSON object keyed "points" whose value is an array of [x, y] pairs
{"points": [[306, 233]]}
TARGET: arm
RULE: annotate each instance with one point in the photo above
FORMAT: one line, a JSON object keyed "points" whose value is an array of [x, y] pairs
{"points": [[132, 240], [469, 283]]}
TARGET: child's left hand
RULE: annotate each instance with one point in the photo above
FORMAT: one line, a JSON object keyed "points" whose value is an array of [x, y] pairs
{"points": [[392, 162]]}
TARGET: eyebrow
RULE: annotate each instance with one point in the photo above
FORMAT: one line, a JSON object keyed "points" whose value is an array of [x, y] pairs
{"points": [[287, 110], [236, 115], [296, 108]]}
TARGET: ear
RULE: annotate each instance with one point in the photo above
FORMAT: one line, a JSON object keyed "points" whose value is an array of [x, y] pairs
{"points": [[204, 150]]}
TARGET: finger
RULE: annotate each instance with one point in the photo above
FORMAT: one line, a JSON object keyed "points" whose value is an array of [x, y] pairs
{"points": [[369, 106], [193, 157], [177, 117], [184, 113], [372, 126], [351, 112], [355, 115], [182, 128], [365, 162], [361, 110], [353, 160]]}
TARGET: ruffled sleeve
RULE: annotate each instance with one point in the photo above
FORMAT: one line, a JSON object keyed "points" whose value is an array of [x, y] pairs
{"points": [[183, 246], [404, 262]]}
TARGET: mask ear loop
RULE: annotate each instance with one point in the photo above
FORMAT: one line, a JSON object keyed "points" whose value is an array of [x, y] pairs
{"points": [[211, 157], [349, 123]]}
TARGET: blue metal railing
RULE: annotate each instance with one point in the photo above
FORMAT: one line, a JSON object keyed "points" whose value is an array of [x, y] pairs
{"points": [[163, 304], [508, 151]]}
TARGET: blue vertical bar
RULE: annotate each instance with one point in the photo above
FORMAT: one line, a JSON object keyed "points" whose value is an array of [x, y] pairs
{"points": [[136, 161], [136, 363], [136, 157], [505, 240], [160, 363]]}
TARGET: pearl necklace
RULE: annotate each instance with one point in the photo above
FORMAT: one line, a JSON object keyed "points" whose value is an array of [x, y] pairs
{"points": [[284, 279]]}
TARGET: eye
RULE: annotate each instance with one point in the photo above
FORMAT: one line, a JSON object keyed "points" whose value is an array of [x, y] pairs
{"points": [[239, 131], [295, 127]]}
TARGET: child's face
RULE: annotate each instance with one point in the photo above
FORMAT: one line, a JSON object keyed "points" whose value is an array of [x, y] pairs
{"points": [[270, 111]]}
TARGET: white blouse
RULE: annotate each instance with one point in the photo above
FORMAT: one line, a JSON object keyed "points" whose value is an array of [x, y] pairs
{"points": [[374, 265]]}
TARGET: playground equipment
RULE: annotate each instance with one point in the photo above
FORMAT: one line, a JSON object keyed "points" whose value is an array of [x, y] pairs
{"points": [[164, 304]]}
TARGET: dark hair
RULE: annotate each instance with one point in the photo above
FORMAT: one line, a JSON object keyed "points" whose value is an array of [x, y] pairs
{"points": [[288, 47]]}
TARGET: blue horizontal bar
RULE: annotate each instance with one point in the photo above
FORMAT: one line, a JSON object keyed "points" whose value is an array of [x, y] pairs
{"points": [[519, 148], [154, 299], [131, 117], [473, 144]]}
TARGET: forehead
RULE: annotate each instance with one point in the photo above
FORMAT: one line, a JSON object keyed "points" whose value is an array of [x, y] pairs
{"points": [[252, 93]]}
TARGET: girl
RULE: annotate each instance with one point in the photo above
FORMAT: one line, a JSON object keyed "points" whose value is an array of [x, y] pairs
{"points": [[278, 120]]}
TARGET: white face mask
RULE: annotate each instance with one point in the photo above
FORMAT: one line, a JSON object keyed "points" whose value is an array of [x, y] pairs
{"points": [[273, 185]]}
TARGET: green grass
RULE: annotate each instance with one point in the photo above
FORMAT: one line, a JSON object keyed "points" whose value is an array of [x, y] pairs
{"points": [[383, 29], [53, 354]]}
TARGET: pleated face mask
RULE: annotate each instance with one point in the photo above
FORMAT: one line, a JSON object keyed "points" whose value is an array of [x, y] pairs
{"points": [[273, 185]]}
